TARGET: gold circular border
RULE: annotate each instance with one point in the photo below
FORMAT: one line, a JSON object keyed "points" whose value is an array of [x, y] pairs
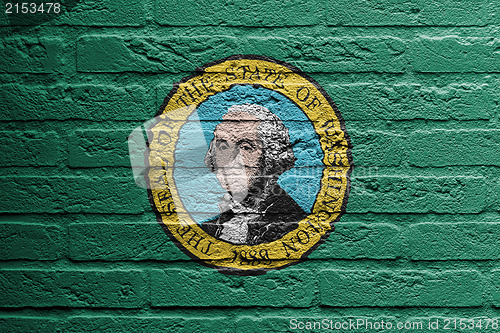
{"points": [[331, 198]]}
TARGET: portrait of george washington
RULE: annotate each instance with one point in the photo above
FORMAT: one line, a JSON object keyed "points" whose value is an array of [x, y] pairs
{"points": [[250, 150]]}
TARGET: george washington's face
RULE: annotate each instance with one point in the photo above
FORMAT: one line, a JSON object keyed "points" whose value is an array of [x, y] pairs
{"points": [[238, 153]]}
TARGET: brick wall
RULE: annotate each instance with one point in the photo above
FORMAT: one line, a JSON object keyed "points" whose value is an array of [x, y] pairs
{"points": [[417, 83]]}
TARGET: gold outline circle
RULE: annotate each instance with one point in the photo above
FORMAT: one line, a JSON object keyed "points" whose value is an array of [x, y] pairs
{"points": [[334, 142]]}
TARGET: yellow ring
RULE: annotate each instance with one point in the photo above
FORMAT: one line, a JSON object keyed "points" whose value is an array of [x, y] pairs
{"points": [[331, 199]]}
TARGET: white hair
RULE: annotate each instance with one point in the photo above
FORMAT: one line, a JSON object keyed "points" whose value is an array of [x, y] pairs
{"points": [[278, 153]]}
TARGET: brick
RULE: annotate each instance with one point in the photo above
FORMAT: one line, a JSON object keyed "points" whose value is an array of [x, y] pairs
{"points": [[495, 194], [113, 54], [495, 278], [376, 148], [31, 148], [97, 148], [31, 241], [453, 241], [411, 194], [203, 287], [72, 195], [454, 147], [32, 55], [105, 13], [251, 324], [76, 101], [72, 288], [331, 55], [406, 220], [403, 101], [402, 288], [117, 323], [267, 14], [29, 324], [396, 13], [424, 148], [360, 240], [121, 241], [83, 13], [453, 54], [496, 9], [238, 13]]}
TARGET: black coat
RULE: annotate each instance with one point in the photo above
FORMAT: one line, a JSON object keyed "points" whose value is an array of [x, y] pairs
{"points": [[280, 215]]}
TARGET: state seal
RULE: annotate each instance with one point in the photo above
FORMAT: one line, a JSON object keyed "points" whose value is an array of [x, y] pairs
{"points": [[248, 165]]}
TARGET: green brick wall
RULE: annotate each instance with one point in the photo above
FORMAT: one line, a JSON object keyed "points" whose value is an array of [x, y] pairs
{"points": [[417, 82]]}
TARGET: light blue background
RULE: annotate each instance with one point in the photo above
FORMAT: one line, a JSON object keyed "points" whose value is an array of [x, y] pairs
{"points": [[199, 189]]}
